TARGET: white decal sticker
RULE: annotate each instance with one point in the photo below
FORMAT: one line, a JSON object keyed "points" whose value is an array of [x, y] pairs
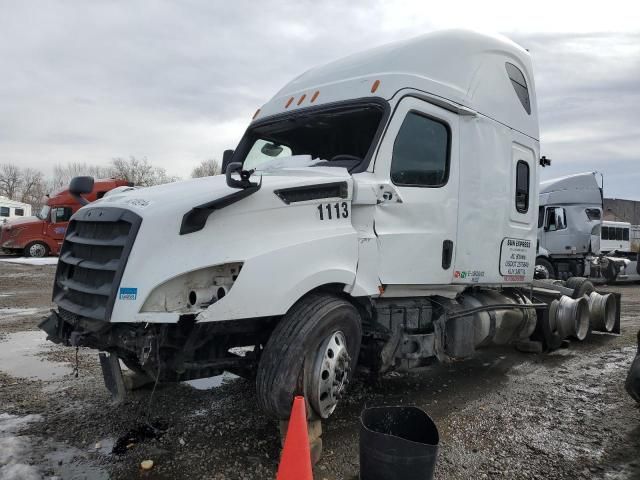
{"points": [[517, 259]]}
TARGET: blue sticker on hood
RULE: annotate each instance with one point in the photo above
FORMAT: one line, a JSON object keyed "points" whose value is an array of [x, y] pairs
{"points": [[128, 293]]}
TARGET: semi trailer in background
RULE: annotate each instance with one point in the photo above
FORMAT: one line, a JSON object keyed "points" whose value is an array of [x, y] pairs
{"points": [[379, 212], [42, 234], [10, 209]]}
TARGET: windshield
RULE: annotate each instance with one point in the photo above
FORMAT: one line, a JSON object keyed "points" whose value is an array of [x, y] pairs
{"points": [[44, 212], [340, 137]]}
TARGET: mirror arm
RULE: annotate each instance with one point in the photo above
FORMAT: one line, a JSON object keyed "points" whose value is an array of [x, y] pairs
{"points": [[81, 200]]}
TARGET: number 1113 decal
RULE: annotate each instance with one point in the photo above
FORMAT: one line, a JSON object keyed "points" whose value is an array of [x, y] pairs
{"points": [[331, 211]]}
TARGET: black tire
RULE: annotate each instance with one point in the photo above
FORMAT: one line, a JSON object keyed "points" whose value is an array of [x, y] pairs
{"points": [[581, 286], [293, 347], [36, 250], [543, 262]]}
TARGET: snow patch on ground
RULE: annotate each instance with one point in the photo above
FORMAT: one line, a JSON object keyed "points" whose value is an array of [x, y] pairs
{"points": [[31, 261], [7, 312], [15, 449]]}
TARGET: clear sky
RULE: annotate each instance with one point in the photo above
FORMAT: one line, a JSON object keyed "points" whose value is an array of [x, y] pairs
{"points": [[178, 82]]}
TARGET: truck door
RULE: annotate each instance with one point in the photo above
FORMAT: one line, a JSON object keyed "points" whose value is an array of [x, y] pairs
{"points": [[557, 235], [57, 227], [416, 219]]}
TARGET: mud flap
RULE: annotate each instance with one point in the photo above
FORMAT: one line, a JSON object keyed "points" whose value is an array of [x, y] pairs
{"points": [[112, 374]]}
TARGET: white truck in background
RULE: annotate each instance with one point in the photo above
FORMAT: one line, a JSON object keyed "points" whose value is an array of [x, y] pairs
{"points": [[569, 223], [379, 211], [620, 243], [574, 241]]}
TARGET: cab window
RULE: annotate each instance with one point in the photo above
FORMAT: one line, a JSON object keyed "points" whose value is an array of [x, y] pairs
{"points": [[61, 214], [19, 212], [4, 211], [556, 219], [421, 152]]}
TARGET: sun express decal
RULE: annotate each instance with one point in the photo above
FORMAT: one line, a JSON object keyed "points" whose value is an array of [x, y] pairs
{"points": [[128, 293], [516, 259]]}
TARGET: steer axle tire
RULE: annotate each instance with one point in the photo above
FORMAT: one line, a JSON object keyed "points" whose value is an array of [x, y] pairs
{"points": [[311, 352], [36, 250]]}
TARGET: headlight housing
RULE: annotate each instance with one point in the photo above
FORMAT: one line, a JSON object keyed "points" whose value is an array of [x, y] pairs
{"points": [[193, 291]]}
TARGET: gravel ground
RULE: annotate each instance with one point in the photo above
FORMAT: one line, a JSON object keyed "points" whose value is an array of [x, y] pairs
{"points": [[502, 414]]}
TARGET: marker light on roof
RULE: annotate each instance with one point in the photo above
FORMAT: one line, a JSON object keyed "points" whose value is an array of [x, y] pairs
{"points": [[288, 102], [256, 114], [315, 95], [375, 86], [304, 95]]}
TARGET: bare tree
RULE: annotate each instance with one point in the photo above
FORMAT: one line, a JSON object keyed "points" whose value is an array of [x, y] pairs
{"points": [[33, 188], [10, 180], [62, 174], [140, 172], [207, 168]]}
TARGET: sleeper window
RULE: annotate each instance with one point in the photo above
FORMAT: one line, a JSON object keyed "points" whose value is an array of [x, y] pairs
{"points": [[522, 186], [4, 211], [421, 152], [519, 84], [540, 217], [19, 212], [593, 213]]}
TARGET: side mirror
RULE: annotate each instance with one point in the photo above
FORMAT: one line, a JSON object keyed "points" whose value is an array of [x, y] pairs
{"points": [[227, 156], [79, 186]]}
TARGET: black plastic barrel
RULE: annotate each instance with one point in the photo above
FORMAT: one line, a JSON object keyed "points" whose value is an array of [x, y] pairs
{"points": [[397, 443]]}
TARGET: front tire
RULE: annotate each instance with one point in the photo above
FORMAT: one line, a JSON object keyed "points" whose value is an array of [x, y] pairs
{"points": [[36, 250], [546, 267], [311, 352]]}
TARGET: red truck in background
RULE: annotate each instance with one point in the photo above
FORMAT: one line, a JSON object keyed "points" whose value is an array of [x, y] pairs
{"points": [[42, 234]]}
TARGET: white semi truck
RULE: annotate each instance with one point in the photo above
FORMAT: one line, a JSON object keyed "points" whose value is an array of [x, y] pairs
{"points": [[379, 211], [569, 225], [573, 240]]}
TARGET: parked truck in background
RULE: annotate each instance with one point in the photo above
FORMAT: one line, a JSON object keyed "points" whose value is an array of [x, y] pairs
{"points": [[10, 209], [620, 244], [569, 223], [573, 240], [379, 212], [42, 234]]}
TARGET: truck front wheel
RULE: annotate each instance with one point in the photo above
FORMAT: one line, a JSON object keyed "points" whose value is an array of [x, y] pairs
{"points": [[545, 267], [312, 352], [36, 250]]}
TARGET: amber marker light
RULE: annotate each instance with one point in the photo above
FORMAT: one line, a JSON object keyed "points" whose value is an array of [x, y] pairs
{"points": [[375, 86], [255, 114], [315, 95], [304, 95], [288, 102]]}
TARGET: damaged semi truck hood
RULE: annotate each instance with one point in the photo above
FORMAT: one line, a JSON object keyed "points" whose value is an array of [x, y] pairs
{"points": [[250, 246]]}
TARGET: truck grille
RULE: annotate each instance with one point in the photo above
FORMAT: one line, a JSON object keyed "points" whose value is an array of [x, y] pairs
{"points": [[92, 260]]}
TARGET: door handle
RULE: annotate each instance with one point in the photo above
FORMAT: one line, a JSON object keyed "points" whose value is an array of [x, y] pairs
{"points": [[447, 254]]}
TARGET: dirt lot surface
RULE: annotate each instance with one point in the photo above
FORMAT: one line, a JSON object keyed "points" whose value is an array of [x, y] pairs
{"points": [[503, 414]]}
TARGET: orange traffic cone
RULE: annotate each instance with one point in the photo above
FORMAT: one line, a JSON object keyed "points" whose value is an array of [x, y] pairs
{"points": [[295, 462]]}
